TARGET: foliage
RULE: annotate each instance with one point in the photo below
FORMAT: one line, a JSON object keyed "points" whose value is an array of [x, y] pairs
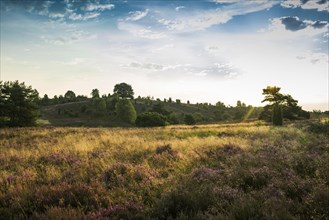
{"points": [[189, 119], [273, 95], [99, 105], [319, 127], [124, 90], [150, 119], [290, 108], [277, 118], [111, 102], [94, 93], [18, 104], [160, 108], [125, 111], [70, 95]]}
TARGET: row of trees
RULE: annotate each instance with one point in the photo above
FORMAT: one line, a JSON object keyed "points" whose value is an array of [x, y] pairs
{"points": [[18, 107]]}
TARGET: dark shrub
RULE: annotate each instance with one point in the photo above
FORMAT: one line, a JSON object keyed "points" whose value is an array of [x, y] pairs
{"points": [[320, 128], [150, 119], [189, 119], [165, 148]]}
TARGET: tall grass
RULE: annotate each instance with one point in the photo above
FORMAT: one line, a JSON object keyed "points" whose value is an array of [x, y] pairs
{"points": [[232, 171]]}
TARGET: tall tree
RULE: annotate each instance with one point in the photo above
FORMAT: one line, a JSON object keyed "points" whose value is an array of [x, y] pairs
{"points": [[94, 93], [18, 104], [289, 106], [69, 95], [126, 111], [124, 90]]}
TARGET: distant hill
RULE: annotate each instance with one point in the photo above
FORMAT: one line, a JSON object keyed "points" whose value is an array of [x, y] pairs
{"points": [[83, 113]]}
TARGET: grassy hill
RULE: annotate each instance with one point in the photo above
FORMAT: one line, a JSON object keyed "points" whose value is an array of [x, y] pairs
{"points": [[218, 171], [83, 114]]}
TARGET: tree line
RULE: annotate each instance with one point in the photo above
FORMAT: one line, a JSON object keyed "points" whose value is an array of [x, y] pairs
{"points": [[19, 106]]}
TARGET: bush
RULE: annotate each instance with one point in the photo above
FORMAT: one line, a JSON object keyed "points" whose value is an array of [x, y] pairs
{"points": [[189, 119], [319, 128], [150, 119]]}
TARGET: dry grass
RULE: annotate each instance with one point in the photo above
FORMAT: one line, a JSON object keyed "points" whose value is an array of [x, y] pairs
{"points": [[149, 172]]}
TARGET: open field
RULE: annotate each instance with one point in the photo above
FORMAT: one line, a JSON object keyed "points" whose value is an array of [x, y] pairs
{"points": [[227, 171]]}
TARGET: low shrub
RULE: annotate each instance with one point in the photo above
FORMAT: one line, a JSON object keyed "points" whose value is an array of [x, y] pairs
{"points": [[319, 127], [150, 119]]}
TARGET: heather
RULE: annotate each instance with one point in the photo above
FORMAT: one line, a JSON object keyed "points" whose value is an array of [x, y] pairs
{"points": [[217, 171]]}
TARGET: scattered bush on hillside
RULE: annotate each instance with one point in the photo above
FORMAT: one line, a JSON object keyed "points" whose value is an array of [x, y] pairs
{"points": [[173, 119], [150, 119], [189, 119]]}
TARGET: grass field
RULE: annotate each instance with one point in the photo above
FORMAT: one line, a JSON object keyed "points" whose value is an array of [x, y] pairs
{"points": [[219, 171]]}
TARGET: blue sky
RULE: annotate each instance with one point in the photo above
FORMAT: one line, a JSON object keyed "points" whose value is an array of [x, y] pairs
{"points": [[201, 50]]}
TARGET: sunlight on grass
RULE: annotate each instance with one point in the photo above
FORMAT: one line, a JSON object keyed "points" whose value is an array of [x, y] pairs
{"points": [[85, 171]]}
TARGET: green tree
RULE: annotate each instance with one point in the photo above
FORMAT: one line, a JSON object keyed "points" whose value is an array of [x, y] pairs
{"points": [[124, 90], [94, 93], [18, 104], [111, 102], [220, 111], [240, 110], [70, 96], [45, 100], [126, 111], [100, 106], [289, 106], [273, 95]]}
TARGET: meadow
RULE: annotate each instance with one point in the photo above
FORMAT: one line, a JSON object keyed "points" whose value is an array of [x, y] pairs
{"points": [[217, 171]]}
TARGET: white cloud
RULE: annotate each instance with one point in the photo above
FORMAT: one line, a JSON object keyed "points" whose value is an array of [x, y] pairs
{"points": [[100, 7], [205, 19], [137, 15], [60, 33], [179, 8], [140, 31], [277, 30], [217, 70], [83, 17], [312, 4]]}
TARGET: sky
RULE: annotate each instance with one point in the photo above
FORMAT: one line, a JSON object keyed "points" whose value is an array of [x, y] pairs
{"points": [[196, 50]]}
